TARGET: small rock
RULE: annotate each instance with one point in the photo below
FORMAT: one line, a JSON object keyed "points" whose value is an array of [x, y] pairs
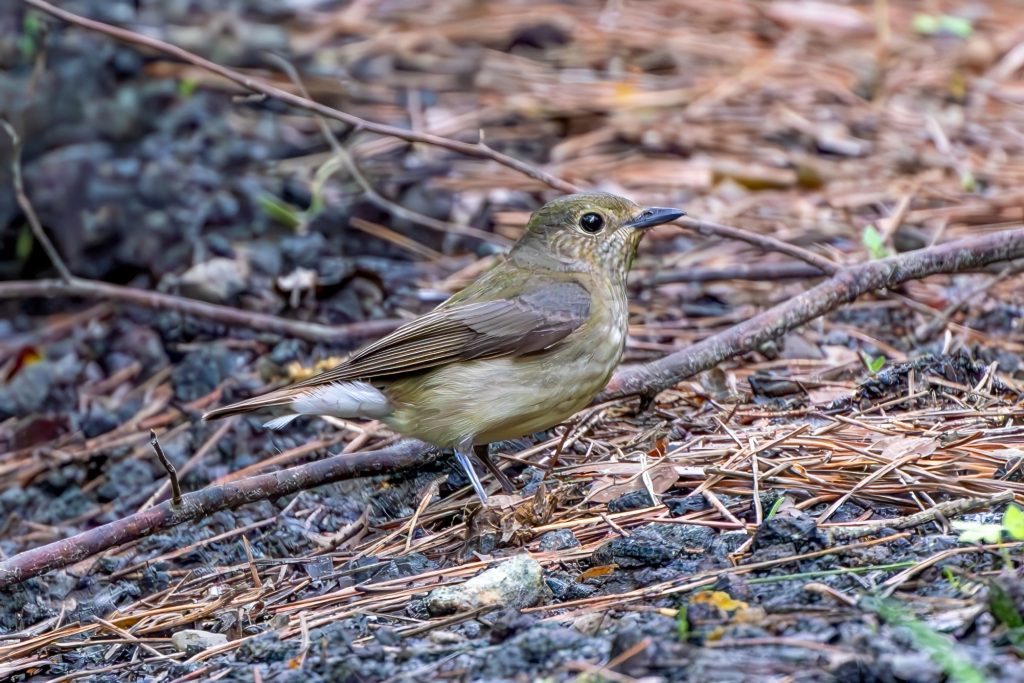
{"points": [[655, 545], [201, 371], [191, 638], [789, 525], [725, 544], [518, 583], [98, 420], [562, 539], [28, 391], [218, 280], [677, 507], [565, 587], [634, 500], [916, 667]]}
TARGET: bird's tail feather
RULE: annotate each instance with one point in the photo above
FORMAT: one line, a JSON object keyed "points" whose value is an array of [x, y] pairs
{"points": [[281, 397], [340, 399]]}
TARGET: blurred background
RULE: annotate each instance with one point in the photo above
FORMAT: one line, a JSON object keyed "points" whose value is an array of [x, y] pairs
{"points": [[807, 120]]}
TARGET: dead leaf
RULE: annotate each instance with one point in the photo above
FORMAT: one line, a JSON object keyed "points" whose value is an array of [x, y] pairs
{"points": [[597, 572], [896, 447], [825, 395], [608, 488]]}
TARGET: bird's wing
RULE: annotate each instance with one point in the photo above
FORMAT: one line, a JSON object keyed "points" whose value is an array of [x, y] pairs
{"points": [[510, 326]]}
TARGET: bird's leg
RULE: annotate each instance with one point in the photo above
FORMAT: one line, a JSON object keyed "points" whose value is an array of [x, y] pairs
{"points": [[480, 451], [462, 451]]}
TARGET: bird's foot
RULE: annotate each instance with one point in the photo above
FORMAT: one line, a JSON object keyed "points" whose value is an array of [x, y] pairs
{"points": [[474, 479], [506, 484]]}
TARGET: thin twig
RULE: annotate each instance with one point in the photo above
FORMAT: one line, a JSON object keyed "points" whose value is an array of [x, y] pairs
{"points": [[26, 205], [262, 322], [762, 241], [740, 271], [471, 149], [172, 474], [948, 508]]}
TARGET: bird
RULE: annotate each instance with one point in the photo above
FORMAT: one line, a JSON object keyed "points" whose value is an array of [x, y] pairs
{"points": [[519, 350]]}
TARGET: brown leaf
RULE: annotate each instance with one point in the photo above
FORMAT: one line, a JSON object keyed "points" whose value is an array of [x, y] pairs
{"points": [[895, 447], [607, 488], [596, 572]]}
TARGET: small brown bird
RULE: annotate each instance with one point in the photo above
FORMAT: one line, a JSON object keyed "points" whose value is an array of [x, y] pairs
{"points": [[522, 348]]}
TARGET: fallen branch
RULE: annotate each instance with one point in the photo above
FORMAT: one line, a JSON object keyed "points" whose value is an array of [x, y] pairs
{"points": [[262, 322], [402, 456], [650, 378], [947, 508]]}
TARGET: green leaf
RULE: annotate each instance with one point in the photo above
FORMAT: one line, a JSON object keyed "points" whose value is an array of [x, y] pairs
{"points": [[926, 24], [975, 532], [1013, 523], [31, 32], [23, 247], [930, 25], [1001, 604], [683, 622], [873, 242], [968, 182], [279, 211], [1016, 638], [957, 26], [316, 187], [872, 363], [187, 87]]}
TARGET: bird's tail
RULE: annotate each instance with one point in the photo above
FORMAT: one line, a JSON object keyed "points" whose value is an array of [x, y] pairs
{"points": [[273, 399], [337, 399]]}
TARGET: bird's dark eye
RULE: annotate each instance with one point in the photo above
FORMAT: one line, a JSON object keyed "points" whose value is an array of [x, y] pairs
{"points": [[591, 222]]}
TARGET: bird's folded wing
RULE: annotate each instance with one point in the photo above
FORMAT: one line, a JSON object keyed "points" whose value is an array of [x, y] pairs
{"points": [[512, 326]]}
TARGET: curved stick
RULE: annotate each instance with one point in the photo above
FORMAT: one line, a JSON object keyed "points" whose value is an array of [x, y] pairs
{"points": [[843, 287], [402, 456], [262, 322]]}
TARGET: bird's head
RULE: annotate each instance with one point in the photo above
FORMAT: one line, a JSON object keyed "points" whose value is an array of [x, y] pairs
{"points": [[593, 231]]}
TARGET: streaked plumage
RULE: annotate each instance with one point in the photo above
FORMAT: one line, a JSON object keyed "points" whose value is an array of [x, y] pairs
{"points": [[519, 350]]}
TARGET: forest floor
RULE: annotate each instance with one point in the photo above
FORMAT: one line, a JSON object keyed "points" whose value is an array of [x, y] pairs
{"points": [[786, 516]]}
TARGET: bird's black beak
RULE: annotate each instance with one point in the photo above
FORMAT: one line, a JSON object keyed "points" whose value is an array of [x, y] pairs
{"points": [[648, 218]]}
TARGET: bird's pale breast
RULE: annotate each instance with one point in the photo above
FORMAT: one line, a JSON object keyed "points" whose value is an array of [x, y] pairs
{"points": [[508, 397]]}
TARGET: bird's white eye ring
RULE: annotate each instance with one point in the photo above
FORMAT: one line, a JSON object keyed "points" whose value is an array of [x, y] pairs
{"points": [[591, 222]]}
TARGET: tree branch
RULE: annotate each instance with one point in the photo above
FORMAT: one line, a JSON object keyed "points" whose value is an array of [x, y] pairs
{"points": [[262, 322], [402, 456], [845, 286], [172, 474], [762, 241]]}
